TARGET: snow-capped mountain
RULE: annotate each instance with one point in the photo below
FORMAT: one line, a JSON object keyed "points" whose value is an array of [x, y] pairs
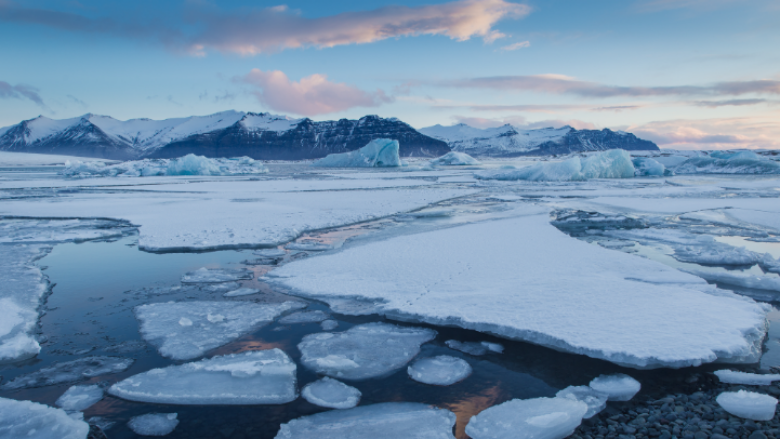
{"points": [[510, 141]]}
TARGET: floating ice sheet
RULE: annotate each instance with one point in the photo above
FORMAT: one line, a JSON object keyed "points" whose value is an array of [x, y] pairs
{"points": [[769, 264], [748, 405], [538, 418], [377, 153], [315, 316], [154, 424], [596, 401], [30, 420], [330, 393], [70, 372], [716, 254], [252, 377], [190, 164], [617, 387], [216, 275], [752, 379], [454, 159], [737, 164], [80, 398], [441, 370]]}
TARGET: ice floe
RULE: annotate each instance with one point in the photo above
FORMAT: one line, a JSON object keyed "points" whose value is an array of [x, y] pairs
{"points": [[315, 316], [752, 379], [441, 370], [252, 377], [364, 351], [216, 275], [154, 424], [241, 292], [80, 398], [617, 387], [716, 254], [190, 164], [186, 330], [377, 153], [748, 405], [330, 393], [615, 163], [329, 325], [538, 418], [270, 253], [596, 401], [27, 419], [454, 159], [390, 420], [70, 372]]}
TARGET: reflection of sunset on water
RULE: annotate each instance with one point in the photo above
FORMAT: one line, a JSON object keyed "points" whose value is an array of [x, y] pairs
{"points": [[249, 345], [469, 406]]}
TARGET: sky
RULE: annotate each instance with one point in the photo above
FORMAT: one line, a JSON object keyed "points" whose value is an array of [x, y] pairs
{"points": [[686, 74]]}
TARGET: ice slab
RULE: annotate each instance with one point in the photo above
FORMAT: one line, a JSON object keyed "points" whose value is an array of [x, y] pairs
{"points": [[315, 316], [494, 277], [241, 292], [80, 398], [716, 254], [70, 372], [468, 347], [190, 164], [596, 401], [746, 280], [377, 153], [329, 325], [617, 387], [647, 167], [364, 351], [454, 159], [216, 275], [615, 163], [390, 420], [538, 418], [748, 405], [330, 393], [186, 330], [154, 424], [441, 370], [252, 377], [27, 419], [752, 379]]}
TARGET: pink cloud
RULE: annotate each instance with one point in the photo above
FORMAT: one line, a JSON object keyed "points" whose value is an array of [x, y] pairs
{"points": [[757, 132], [515, 46]]}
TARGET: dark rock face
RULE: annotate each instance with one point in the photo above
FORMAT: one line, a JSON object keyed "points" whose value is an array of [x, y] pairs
{"points": [[593, 140]]}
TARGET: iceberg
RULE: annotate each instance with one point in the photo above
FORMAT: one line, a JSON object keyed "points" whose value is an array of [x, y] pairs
{"points": [[596, 401], [441, 370], [154, 424], [364, 351], [615, 163], [252, 377], [186, 330], [389, 420], [378, 153], [70, 372], [748, 405], [454, 159], [744, 162], [617, 387], [751, 379], [315, 316], [647, 167], [30, 420], [538, 418], [190, 164], [216, 275], [330, 393], [80, 398]]}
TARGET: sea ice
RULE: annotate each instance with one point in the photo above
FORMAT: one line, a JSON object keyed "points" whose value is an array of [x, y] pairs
{"points": [[614, 163], [538, 418], [330, 393], [190, 164], [748, 405], [596, 401], [252, 377], [378, 153], [364, 351], [468, 347], [70, 372], [154, 424], [752, 379], [270, 253], [27, 419], [308, 246], [389, 420], [329, 325], [80, 398], [617, 387], [186, 330], [315, 316], [216, 275], [442, 370], [647, 167], [746, 280], [715, 254], [454, 159], [736, 164], [241, 292]]}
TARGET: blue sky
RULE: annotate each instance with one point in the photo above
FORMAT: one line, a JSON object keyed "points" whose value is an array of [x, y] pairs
{"points": [[684, 73]]}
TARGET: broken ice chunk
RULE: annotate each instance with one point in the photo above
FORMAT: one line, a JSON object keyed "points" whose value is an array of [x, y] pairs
{"points": [[215, 275], [538, 418], [752, 379], [186, 330], [327, 392], [154, 424], [252, 377], [468, 347], [442, 370], [241, 292], [364, 351], [595, 400], [80, 398], [329, 325], [618, 387], [390, 420], [715, 254], [454, 159], [308, 246], [27, 419], [748, 405], [101, 422], [746, 280], [70, 372], [615, 163], [493, 347], [647, 167], [315, 316], [377, 153]]}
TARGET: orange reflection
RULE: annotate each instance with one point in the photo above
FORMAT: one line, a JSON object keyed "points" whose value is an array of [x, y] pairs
{"points": [[248, 345], [472, 405]]}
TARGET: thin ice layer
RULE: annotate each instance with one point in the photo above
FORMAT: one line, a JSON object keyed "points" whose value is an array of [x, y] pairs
{"points": [[752, 379], [154, 424], [391, 420], [364, 351], [30, 420], [748, 405], [596, 401], [330, 393], [80, 398], [252, 377], [315, 316], [495, 277], [617, 387], [190, 164], [70, 372], [441, 370], [186, 330], [377, 153], [216, 275], [241, 292], [538, 418]]}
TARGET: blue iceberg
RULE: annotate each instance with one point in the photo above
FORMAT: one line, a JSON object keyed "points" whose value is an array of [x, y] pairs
{"points": [[378, 153], [615, 163], [725, 162], [647, 167]]}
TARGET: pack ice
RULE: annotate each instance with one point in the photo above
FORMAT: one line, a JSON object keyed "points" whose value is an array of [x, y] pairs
{"points": [[215, 275], [615, 163], [618, 387], [753, 379], [748, 405], [186, 330], [390, 420], [595, 400], [494, 277], [190, 164], [364, 351], [441, 370], [454, 159], [70, 372], [154, 424], [378, 153], [80, 398], [330, 393], [252, 377], [27, 419], [538, 418]]}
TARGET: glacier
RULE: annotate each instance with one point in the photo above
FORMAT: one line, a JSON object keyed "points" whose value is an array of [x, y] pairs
{"points": [[615, 163], [376, 154], [538, 418], [330, 393], [190, 164], [748, 405], [27, 419], [442, 370]]}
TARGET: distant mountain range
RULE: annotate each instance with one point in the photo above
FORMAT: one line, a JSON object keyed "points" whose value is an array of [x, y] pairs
{"points": [[264, 136]]}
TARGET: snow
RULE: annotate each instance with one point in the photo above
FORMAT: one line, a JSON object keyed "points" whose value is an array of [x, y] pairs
{"points": [[495, 277], [364, 351], [330, 393], [186, 330], [241, 292], [617, 387], [538, 418], [746, 280], [216, 275], [753, 379], [80, 398], [390, 420], [268, 122], [748, 405], [454, 159], [27, 419], [377, 153], [154, 424], [315, 316], [252, 377], [468, 347], [441, 370], [647, 167], [614, 163], [190, 164], [70, 372], [596, 401]]}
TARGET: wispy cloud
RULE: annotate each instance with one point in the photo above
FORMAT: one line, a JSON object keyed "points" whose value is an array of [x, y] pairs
{"points": [[730, 102], [76, 101], [720, 133], [515, 46], [20, 91]]}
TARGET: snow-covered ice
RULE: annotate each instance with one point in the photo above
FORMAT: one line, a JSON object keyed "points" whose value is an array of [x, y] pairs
{"points": [[538, 418], [216, 275], [753, 379], [154, 424], [30, 420], [614, 163], [70, 372], [241, 292], [390, 420], [454, 159], [748, 405], [252, 377], [315, 316], [364, 351], [468, 347], [80, 398], [377, 153], [190, 164], [186, 330], [596, 401], [330, 393], [617, 387], [441, 370]]}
